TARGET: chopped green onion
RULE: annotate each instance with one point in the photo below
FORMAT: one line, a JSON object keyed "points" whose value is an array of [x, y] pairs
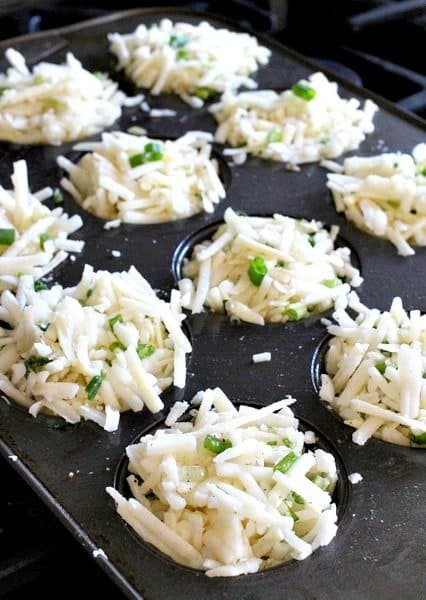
{"points": [[395, 165], [420, 439], [43, 239], [151, 152], [58, 198], [381, 367], [38, 79], [297, 499], [292, 513], [92, 388], [7, 237], [322, 482], [312, 240], [114, 320], [422, 171], [136, 130], [393, 203], [51, 103], [100, 75], [295, 312], [332, 283], [303, 91], [117, 346], [324, 140], [177, 41], [288, 443], [272, 443], [280, 263], [257, 270], [181, 54], [34, 363], [285, 463], [241, 213], [216, 445], [39, 286], [205, 93], [2, 90], [145, 350], [275, 135]]}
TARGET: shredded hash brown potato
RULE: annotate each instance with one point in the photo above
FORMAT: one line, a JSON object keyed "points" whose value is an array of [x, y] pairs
{"points": [[106, 346], [193, 61], [376, 365], [385, 196], [232, 492], [259, 270]]}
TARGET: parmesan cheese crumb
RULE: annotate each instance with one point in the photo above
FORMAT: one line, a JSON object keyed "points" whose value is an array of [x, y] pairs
{"points": [[13, 458], [261, 357], [355, 478], [310, 437], [116, 253], [112, 224], [71, 474], [99, 553]]}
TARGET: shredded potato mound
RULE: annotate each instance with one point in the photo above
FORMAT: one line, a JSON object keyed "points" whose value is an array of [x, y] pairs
{"points": [[56, 103], [92, 351], [261, 270], [192, 61], [385, 196], [301, 125], [33, 238], [376, 367], [232, 492], [135, 179]]}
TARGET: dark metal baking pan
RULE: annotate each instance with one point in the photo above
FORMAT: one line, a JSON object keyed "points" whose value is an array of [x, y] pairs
{"points": [[379, 545]]}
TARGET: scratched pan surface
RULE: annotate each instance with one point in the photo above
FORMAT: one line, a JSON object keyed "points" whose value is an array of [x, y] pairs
{"points": [[379, 542]]}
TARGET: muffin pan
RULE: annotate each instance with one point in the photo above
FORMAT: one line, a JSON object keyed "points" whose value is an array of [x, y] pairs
{"points": [[379, 541]]}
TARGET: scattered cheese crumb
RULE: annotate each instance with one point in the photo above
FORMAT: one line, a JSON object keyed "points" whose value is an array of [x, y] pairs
{"points": [[159, 112], [116, 253], [72, 258], [355, 478], [261, 357], [71, 474], [99, 553], [13, 458], [112, 224]]}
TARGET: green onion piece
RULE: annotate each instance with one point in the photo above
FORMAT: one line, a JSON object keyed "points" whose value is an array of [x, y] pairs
{"points": [[272, 443], [423, 171], [38, 79], [420, 439], [136, 160], [2, 90], [322, 482], [285, 463], [381, 367], [100, 75], [39, 286], [312, 240], [332, 283], [145, 350], [295, 312], [303, 91], [92, 388], [114, 320], [241, 213], [117, 346], [324, 140], [292, 513], [43, 239], [297, 499], [177, 41], [58, 198], [136, 130], [7, 237], [257, 270], [34, 363], [275, 135], [181, 54], [288, 443], [216, 445], [395, 165], [51, 103], [205, 93], [280, 263], [153, 151], [393, 203]]}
